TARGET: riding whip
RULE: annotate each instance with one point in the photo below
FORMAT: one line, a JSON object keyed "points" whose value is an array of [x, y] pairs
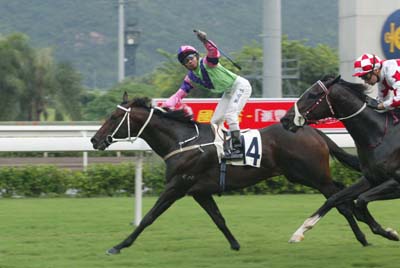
{"points": [[225, 55]]}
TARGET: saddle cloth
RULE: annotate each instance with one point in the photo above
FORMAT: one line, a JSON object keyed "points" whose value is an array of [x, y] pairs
{"points": [[251, 140]]}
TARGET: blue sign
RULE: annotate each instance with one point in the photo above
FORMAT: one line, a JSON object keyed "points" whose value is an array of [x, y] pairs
{"points": [[390, 37]]}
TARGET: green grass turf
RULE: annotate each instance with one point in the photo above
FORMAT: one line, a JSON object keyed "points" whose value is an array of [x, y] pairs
{"points": [[74, 233]]}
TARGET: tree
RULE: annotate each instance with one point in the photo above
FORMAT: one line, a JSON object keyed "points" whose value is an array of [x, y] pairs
{"points": [[11, 82], [314, 63], [68, 92], [104, 103], [38, 80], [31, 83]]}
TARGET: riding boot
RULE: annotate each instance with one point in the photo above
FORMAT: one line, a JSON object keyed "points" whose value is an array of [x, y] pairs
{"points": [[236, 146]]}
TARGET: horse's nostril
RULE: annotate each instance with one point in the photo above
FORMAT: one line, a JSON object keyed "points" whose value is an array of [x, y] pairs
{"points": [[93, 140]]}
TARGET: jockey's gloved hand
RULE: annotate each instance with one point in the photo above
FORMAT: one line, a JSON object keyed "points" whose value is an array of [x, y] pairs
{"points": [[164, 106], [179, 106], [186, 109], [373, 103], [202, 36]]}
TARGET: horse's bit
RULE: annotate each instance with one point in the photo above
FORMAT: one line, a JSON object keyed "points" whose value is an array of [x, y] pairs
{"points": [[299, 119]]}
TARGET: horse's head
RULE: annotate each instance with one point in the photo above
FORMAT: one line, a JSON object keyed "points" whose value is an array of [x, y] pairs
{"points": [[331, 97], [312, 105], [125, 122]]}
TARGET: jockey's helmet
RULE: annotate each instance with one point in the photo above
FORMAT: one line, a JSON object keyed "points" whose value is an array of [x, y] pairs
{"points": [[184, 51], [366, 63]]}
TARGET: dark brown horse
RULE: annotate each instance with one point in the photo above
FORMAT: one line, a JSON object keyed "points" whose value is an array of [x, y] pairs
{"points": [[376, 136], [302, 157]]}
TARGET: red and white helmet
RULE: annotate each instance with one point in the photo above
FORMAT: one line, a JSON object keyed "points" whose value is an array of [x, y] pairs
{"points": [[366, 63], [184, 51]]}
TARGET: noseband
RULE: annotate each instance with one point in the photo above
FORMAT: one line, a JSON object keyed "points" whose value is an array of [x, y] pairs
{"points": [[110, 139], [300, 119]]}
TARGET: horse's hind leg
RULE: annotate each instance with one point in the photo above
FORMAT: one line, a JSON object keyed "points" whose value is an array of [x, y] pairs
{"points": [[207, 202], [172, 193], [385, 191], [345, 195]]}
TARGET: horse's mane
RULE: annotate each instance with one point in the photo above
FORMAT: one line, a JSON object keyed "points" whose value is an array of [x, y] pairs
{"points": [[358, 89], [177, 115]]}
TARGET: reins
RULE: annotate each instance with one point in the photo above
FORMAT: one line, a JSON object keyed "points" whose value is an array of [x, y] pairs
{"points": [[354, 114], [189, 148], [384, 134]]}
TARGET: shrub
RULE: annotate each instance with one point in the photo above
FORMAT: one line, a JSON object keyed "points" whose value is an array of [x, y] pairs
{"points": [[116, 180]]}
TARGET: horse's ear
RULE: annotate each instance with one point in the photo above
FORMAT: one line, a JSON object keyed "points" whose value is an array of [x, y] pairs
{"points": [[125, 97], [336, 79]]}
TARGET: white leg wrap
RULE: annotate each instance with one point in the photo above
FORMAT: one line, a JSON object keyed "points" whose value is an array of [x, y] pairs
{"points": [[309, 223]]}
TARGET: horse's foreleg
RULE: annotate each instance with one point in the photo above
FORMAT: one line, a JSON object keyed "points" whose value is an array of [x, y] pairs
{"points": [[166, 199], [207, 202], [385, 191], [347, 194], [346, 209]]}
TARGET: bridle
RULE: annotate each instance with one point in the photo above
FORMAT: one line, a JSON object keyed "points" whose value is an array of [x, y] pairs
{"points": [[300, 119], [110, 138]]}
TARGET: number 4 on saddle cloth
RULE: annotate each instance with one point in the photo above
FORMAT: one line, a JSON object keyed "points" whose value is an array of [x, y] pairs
{"points": [[251, 141]]}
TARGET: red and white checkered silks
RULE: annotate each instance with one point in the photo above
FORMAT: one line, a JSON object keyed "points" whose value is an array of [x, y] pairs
{"points": [[365, 63]]}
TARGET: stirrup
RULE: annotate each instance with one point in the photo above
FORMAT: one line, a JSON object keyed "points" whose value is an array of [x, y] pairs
{"points": [[234, 155]]}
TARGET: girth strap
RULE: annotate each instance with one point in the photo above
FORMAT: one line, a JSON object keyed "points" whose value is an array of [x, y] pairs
{"points": [[222, 176]]}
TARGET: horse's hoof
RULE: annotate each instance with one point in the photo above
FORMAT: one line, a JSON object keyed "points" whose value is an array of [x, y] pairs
{"points": [[296, 238], [235, 246], [393, 234], [113, 251]]}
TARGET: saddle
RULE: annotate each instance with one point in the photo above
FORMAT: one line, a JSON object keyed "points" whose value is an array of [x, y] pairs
{"points": [[251, 140]]}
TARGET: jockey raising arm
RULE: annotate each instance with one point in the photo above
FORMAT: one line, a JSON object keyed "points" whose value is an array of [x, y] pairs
{"points": [[207, 73], [384, 73]]}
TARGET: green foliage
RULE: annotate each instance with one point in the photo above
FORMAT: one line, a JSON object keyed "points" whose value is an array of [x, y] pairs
{"points": [[31, 83], [314, 63], [107, 180], [153, 177], [12, 85], [34, 181], [69, 91], [100, 105], [115, 180], [343, 175]]}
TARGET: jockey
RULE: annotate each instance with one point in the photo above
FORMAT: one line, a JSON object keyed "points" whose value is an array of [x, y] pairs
{"points": [[207, 73], [384, 73]]}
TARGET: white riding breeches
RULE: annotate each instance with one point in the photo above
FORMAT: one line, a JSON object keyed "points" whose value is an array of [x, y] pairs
{"points": [[232, 103]]}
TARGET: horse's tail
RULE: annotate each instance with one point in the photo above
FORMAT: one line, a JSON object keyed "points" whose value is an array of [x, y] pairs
{"points": [[345, 158]]}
